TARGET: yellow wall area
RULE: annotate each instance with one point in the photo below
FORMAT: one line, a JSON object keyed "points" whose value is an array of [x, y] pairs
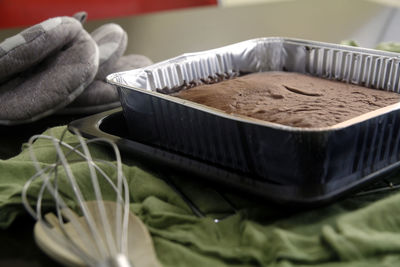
{"points": [[168, 34]]}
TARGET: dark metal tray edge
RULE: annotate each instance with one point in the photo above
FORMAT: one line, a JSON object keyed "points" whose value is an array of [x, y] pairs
{"points": [[304, 196]]}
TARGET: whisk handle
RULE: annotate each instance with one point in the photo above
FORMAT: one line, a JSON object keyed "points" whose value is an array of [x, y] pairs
{"points": [[118, 261]]}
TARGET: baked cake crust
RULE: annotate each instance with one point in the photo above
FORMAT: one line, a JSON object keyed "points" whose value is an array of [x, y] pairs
{"points": [[289, 98]]}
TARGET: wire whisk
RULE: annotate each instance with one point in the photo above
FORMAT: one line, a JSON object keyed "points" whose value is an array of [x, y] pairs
{"points": [[87, 228]]}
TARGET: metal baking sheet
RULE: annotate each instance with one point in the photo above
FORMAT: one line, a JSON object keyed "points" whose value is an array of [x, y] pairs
{"points": [[323, 158]]}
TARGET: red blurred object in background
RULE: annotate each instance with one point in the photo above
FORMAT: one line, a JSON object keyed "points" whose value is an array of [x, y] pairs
{"points": [[20, 13]]}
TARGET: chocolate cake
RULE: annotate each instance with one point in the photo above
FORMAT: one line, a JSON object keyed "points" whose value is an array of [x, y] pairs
{"points": [[290, 98]]}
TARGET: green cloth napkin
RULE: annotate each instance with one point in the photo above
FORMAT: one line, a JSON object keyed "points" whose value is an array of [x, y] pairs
{"points": [[358, 231], [384, 46]]}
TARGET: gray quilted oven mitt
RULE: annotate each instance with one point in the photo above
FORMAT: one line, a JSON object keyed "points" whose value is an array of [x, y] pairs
{"points": [[44, 68], [99, 95]]}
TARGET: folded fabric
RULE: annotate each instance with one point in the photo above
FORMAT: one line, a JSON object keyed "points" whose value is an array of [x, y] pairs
{"points": [[358, 231], [389, 46], [384, 46], [44, 68]]}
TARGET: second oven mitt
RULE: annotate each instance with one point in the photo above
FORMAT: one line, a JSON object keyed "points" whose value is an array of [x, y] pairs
{"points": [[99, 95], [44, 68]]}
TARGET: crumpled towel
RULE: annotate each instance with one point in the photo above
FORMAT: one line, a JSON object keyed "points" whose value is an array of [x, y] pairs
{"points": [[358, 231]]}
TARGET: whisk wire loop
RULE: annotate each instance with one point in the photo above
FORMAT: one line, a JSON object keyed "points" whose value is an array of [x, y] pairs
{"points": [[100, 242]]}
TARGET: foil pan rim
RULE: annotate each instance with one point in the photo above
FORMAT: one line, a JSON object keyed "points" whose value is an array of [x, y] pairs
{"points": [[112, 78], [117, 80]]}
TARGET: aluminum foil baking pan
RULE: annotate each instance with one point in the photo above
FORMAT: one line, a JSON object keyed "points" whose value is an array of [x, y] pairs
{"points": [[320, 158], [111, 124]]}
